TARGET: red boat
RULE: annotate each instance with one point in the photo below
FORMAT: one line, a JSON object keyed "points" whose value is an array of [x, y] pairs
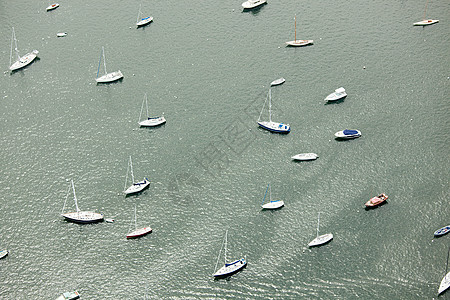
{"points": [[375, 201]]}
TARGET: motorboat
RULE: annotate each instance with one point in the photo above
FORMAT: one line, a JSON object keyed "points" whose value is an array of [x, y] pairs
{"points": [[61, 34], [348, 134], [338, 94], [375, 201], [442, 231], [305, 156], [253, 3], [278, 81], [69, 296], [52, 6]]}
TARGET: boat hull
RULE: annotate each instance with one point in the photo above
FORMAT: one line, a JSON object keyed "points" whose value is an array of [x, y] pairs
{"points": [[137, 187], [69, 296], [442, 231], [52, 7], [83, 217], [275, 127], [445, 283], [305, 156], [273, 204], [139, 233], [278, 82], [376, 201], [153, 122], [144, 21], [321, 240], [338, 94], [3, 253], [299, 43], [24, 60], [231, 268], [342, 136], [110, 77], [426, 22], [253, 4]]}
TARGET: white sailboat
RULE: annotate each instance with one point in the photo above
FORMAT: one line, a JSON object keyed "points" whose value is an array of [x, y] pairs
{"points": [[135, 187], [424, 21], [138, 232], [150, 121], [3, 253], [80, 216], [445, 282], [322, 239], [142, 21], [270, 125], [298, 43], [108, 77], [23, 61], [231, 267], [272, 204]]}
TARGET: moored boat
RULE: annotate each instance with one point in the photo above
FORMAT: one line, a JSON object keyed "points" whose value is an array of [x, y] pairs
{"points": [[298, 43], [320, 239], [348, 134], [21, 61], [138, 232], [272, 204], [305, 156], [270, 125], [336, 95], [3, 253], [135, 187], [229, 268], [426, 22], [442, 231], [150, 121], [253, 3], [52, 6], [278, 81], [375, 201], [107, 77], [61, 34], [69, 296], [445, 282]]}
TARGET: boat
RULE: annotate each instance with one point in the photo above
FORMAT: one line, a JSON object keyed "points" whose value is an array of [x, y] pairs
{"points": [[337, 95], [69, 296], [424, 21], [21, 61], [108, 77], [135, 187], [110, 220], [320, 239], [445, 282], [305, 156], [442, 231], [375, 201], [61, 34], [52, 6], [270, 125], [142, 21], [278, 81], [272, 204], [249, 4], [347, 134], [229, 268], [150, 121], [138, 232], [80, 216], [298, 43], [3, 253]]}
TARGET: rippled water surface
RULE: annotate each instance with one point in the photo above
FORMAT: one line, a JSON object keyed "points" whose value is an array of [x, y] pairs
{"points": [[207, 66]]}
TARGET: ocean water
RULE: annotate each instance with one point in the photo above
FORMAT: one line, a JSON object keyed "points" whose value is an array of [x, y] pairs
{"points": [[208, 66]]}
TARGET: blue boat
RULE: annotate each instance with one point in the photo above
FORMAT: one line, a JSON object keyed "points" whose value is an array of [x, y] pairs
{"points": [[442, 231], [270, 125]]}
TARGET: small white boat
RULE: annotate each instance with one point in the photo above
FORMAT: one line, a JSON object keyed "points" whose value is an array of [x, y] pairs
{"points": [[52, 6], [320, 239], [138, 232], [3, 253], [305, 156], [135, 187], [348, 134], [298, 43], [270, 125], [142, 21], [80, 216], [278, 81], [337, 95], [442, 231], [231, 267], [150, 121], [272, 204], [252, 3], [425, 21], [69, 296], [21, 61], [108, 77], [110, 220], [445, 282], [61, 34]]}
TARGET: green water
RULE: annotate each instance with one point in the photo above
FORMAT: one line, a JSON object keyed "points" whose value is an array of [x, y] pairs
{"points": [[208, 66]]}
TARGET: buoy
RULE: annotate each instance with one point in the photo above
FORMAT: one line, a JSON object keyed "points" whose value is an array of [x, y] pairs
{"points": [[364, 67]]}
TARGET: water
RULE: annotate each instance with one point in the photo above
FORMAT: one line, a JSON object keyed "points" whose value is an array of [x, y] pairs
{"points": [[208, 67]]}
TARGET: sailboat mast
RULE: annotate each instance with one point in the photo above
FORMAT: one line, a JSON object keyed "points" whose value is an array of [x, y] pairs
{"points": [[135, 222], [131, 171], [446, 267], [146, 103], [75, 197], [12, 41], [270, 193], [225, 252], [295, 26], [99, 62], [265, 194], [318, 222], [425, 11], [139, 13], [104, 58]]}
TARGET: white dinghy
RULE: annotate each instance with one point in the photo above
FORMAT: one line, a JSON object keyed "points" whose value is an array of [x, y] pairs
{"points": [[80, 216], [61, 34], [142, 21], [252, 3], [52, 6], [322, 239], [21, 61], [150, 121], [272, 204], [231, 267], [305, 156], [135, 187], [445, 282], [298, 43], [108, 77], [336, 95], [270, 125], [278, 81]]}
